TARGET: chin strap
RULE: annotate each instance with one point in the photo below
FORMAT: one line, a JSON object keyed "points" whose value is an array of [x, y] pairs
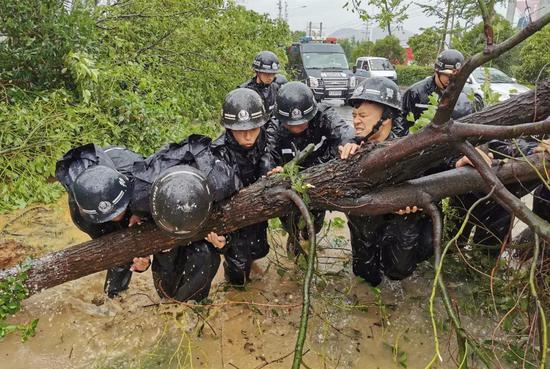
{"points": [[440, 83], [376, 128]]}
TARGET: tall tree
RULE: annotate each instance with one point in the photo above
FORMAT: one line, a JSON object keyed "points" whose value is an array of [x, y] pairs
{"points": [[389, 12], [389, 47], [425, 46]]}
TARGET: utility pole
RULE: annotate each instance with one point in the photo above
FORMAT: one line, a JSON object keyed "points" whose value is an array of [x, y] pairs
{"points": [[286, 11], [280, 7], [321, 30], [309, 29]]}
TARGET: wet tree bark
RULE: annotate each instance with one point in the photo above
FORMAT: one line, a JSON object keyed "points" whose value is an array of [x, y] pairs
{"points": [[380, 179]]}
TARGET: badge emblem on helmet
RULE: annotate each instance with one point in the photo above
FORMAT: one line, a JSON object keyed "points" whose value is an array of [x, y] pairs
{"points": [[105, 207], [359, 90], [296, 114], [274, 66], [243, 115]]}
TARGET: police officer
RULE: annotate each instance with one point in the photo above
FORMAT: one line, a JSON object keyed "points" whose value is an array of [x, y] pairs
{"points": [[416, 98], [99, 183], [243, 145], [180, 202], [300, 121], [266, 66], [390, 244], [178, 185]]}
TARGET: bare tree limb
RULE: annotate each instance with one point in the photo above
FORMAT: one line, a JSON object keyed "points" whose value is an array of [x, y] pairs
{"points": [[505, 197], [300, 340], [462, 130], [450, 96]]}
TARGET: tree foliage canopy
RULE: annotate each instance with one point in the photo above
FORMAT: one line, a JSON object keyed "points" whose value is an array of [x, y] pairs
{"points": [[138, 74], [425, 46], [473, 41], [535, 58]]}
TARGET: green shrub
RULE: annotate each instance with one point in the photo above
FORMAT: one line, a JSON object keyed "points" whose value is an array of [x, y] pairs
{"points": [[535, 58], [408, 75], [158, 72], [39, 33]]}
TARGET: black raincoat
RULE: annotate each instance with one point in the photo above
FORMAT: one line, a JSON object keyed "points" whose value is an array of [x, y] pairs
{"points": [[250, 243], [327, 130], [185, 272], [67, 170], [416, 100], [492, 221], [268, 93], [389, 244]]}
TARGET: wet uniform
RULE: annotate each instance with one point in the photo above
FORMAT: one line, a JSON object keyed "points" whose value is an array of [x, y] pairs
{"points": [[416, 100], [392, 244], [250, 243], [327, 130], [496, 221], [268, 93], [67, 170], [492, 221], [185, 272]]}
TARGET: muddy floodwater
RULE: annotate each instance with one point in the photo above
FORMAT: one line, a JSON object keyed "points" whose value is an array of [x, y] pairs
{"points": [[351, 326]]}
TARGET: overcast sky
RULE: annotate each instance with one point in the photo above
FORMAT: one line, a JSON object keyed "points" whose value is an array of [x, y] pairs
{"points": [[331, 13]]}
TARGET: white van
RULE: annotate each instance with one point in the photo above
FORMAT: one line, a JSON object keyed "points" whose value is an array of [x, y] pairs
{"points": [[371, 66]]}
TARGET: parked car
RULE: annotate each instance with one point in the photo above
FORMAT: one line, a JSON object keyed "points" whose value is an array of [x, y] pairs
{"points": [[322, 65], [499, 83], [370, 66]]}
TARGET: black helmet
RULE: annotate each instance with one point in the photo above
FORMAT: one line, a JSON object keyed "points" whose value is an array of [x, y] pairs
{"points": [[380, 90], [180, 200], [243, 108], [266, 62], [101, 193], [448, 61], [280, 79], [295, 104]]}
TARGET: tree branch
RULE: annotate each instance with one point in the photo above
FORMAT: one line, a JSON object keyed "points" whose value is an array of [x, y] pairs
{"points": [[437, 186], [450, 95], [464, 130], [503, 196], [300, 204]]}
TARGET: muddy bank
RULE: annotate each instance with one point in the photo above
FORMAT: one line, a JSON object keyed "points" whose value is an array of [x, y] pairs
{"points": [[352, 325]]}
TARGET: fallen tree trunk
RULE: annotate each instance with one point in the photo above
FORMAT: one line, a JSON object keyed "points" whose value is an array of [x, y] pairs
{"points": [[336, 184], [249, 207]]}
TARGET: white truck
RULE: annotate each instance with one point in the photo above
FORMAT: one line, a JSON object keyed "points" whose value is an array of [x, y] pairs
{"points": [[372, 66]]}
